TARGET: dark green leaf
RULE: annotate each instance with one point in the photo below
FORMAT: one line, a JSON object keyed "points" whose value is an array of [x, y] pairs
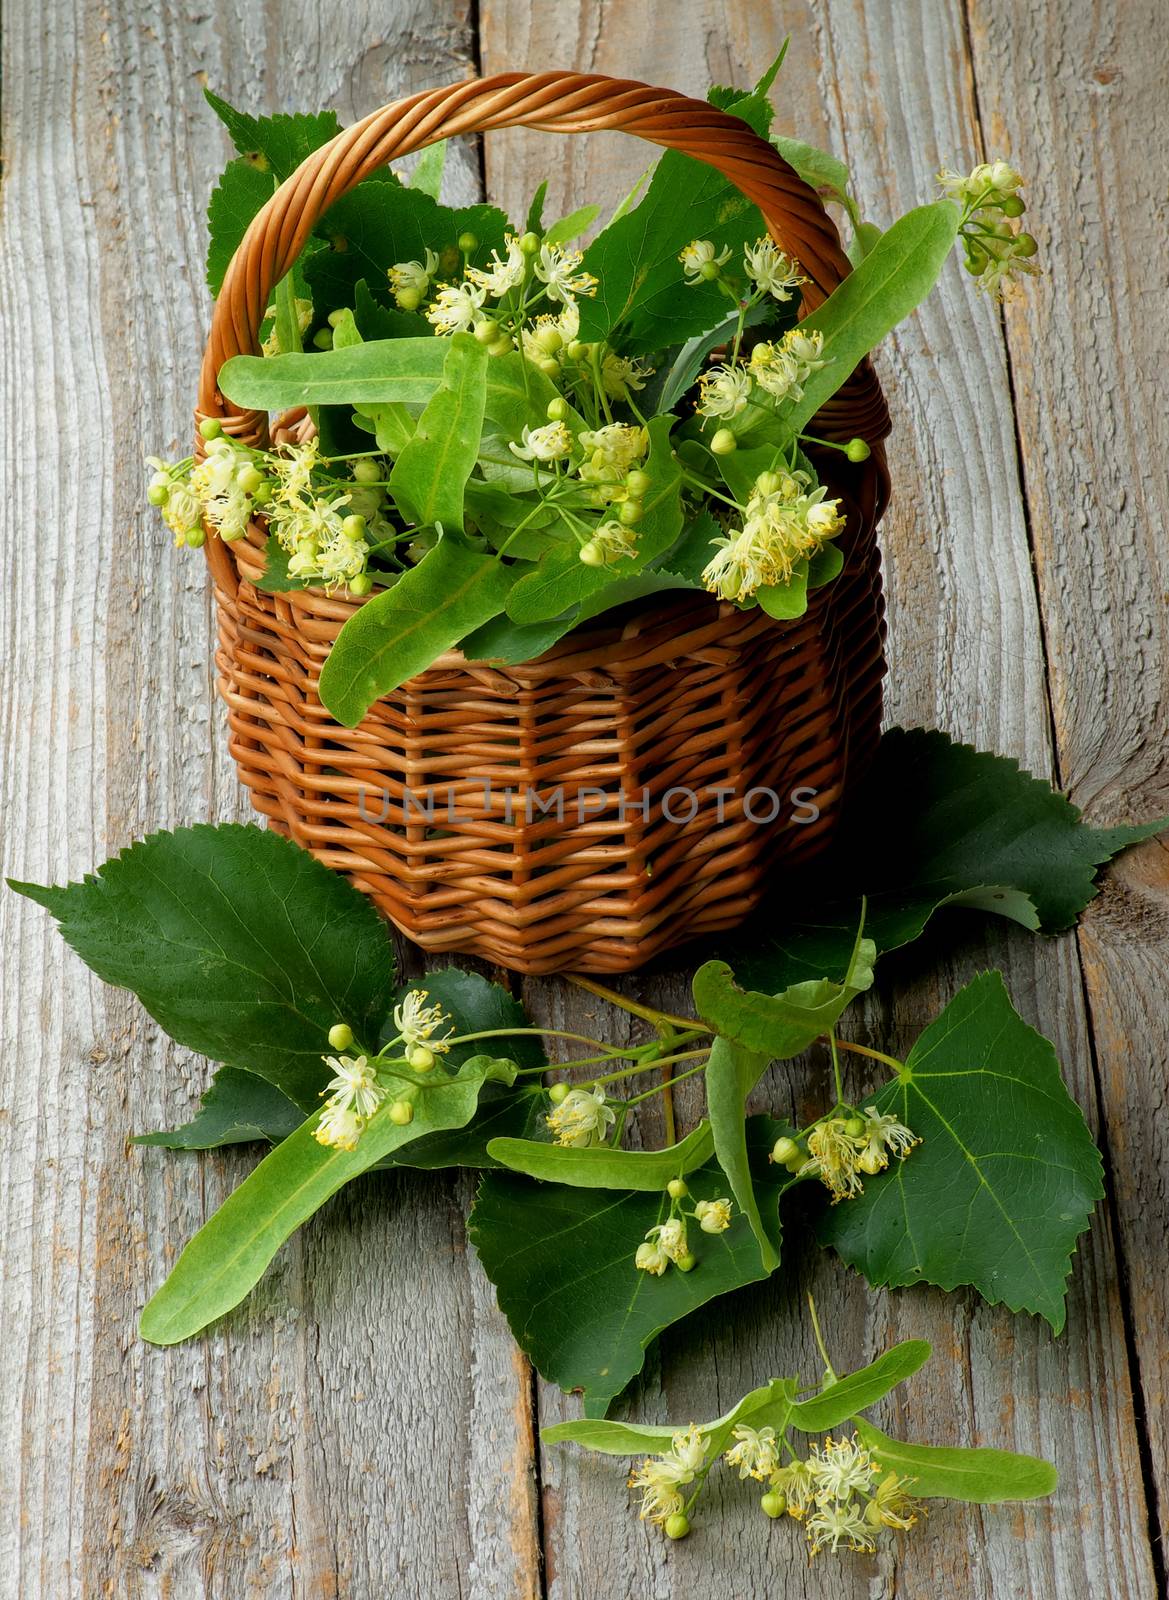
{"points": [[241, 191], [277, 144], [561, 1260], [236, 1107], [230, 1253], [238, 943], [933, 823], [784, 1024], [979, 1477], [400, 631], [1005, 1178]]}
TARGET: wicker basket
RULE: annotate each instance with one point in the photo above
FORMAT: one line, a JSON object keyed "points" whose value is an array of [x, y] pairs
{"points": [[636, 785]]}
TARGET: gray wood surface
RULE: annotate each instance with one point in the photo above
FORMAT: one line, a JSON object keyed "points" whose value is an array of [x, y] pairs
{"points": [[363, 1426]]}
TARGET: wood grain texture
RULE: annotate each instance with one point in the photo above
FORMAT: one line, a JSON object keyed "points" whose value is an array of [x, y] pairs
{"points": [[301, 1450], [363, 1426], [1077, 94]]}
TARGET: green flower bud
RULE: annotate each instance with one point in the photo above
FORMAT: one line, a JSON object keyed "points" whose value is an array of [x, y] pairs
{"points": [[420, 1058], [262, 493], [724, 443], [549, 366], [530, 243], [467, 243], [336, 318], [323, 339], [194, 538], [677, 1189], [638, 482], [629, 512], [367, 471], [854, 1127], [558, 410], [353, 527], [249, 478], [501, 346], [401, 1113], [774, 1503], [1013, 206], [558, 1093], [361, 585], [578, 350], [158, 493], [211, 427], [709, 270], [408, 299], [487, 332], [677, 1526], [592, 555], [1025, 244], [784, 1150], [686, 1263], [857, 450], [340, 1036]]}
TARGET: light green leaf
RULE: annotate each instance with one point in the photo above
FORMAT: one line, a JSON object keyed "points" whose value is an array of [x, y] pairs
{"points": [[238, 943], [784, 1024], [230, 1253], [573, 225], [978, 1477], [862, 241], [399, 632], [731, 1073], [785, 601], [236, 1107], [429, 168], [1006, 1175], [561, 1260], [404, 370], [632, 1439], [894, 278], [430, 475], [858, 1390], [599, 1167], [824, 172]]}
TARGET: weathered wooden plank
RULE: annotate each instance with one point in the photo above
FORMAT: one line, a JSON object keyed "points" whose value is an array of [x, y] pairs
{"points": [[1078, 96], [362, 1426], [967, 652]]}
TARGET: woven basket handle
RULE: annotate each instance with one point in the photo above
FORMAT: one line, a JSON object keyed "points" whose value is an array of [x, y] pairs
{"points": [[556, 102]]}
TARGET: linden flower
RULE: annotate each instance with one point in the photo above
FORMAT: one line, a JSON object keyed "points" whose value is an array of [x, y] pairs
{"points": [[455, 308], [412, 279], [661, 1478], [582, 1118], [354, 1085], [417, 1022], [339, 1127], [883, 1134], [782, 368], [670, 1238], [833, 1524], [651, 1258], [181, 511], [834, 1160], [989, 184], [739, 566], [890, 1506], [499, 277], [700, 253], [770, 270], [724, 391], [610, 541], [620, 375], [611, 451], [558, 270], [714, 1216], [796, 1482], [343, 559], [842, 1468], [756, 1453], [293, 470], [552, 442]]}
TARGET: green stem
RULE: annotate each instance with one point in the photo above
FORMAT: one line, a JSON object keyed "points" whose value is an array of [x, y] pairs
{"points": [[898, 1067], [819, 1337], [539, 1033], [647, 1066], [690, 477], [835, 1065], [649, 1093], [634, 1007]]}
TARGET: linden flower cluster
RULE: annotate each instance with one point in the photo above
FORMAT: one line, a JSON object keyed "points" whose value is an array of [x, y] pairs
{"points": [[784, 521], [579, 1117], [996, 253], [321, 524], [666, 1242], [840, 1148], [355, 1091], [839, 1493], [777, 369], [765, 264], [662, 1478]]}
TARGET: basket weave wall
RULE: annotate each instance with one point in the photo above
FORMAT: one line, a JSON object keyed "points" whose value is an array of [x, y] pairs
{"points": [[442, 804]]}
